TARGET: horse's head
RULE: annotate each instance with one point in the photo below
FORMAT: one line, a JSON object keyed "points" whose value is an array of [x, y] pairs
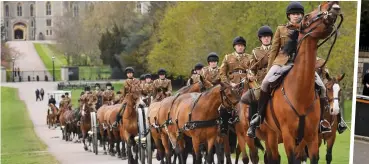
{"points": [[229, 96], [334, 93], [319, 23]]}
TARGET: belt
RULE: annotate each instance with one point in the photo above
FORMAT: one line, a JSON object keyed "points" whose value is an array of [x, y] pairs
{"points": [[239, 71]]}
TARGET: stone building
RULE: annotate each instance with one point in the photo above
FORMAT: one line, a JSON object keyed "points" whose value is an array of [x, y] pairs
{"points": [[34, 20], [363, 65]]}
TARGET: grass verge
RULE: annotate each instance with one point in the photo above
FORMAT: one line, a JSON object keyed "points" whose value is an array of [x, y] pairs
{"points": [[19, 142]]}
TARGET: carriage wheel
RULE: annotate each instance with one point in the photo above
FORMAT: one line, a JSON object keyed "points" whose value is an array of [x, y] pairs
{"points": [[149, 148], [94, 133]]}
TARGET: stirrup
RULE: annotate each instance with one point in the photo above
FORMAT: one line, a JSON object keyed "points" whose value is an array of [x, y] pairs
{"points": [[326, 127], [254, 117]]}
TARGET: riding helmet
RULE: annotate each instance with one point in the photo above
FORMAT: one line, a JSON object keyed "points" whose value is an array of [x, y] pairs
{"points": [[295, 7], [148, 76], [129, 70], [265, 31], [239, 40], [213, 57], [87, 88], [142, 77], [198, 66], [162, 71], [97, 85], [66, 93], [108, 84]]}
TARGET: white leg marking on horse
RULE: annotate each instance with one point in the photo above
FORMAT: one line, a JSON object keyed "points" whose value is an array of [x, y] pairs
{"points": [[336, 105]]}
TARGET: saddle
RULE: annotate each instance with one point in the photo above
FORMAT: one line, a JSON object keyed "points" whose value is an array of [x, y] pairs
{"points": [[278, 76]]}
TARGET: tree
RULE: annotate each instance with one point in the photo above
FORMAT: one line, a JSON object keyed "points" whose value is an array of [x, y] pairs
{"points": [[190, 30]]}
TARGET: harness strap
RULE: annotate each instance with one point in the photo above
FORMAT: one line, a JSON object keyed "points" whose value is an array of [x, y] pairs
{"points": [[301, 125], [201, 124]]}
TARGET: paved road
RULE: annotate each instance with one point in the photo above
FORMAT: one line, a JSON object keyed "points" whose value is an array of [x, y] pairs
{"points": [[361, 152], [65, 152], [28, 60]]}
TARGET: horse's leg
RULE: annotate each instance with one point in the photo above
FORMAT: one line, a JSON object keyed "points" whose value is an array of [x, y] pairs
{"points": [[117, 142], [289, 146], [330, 144], [124, 150], [83, 140], [219, 151], [196, 147], [314, 150], [242, 147], [254, 156], [210, 156], [227, 149], [168, 152], [238, 152], [272, 143], [103, 140]]}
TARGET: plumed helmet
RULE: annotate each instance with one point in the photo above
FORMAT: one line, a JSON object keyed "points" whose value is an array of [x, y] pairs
{"points": [[213, 57], [239, 40]]}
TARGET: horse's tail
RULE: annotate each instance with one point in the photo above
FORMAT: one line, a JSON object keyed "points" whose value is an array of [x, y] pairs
{"points": [[258, 144]]}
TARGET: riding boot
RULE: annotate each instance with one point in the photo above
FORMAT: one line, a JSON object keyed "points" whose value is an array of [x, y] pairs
{"points": [[118, 117], [258, 118], [224, 123], [341, 124], [325, 126]]}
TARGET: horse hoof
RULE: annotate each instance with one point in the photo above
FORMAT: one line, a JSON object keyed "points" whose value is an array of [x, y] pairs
{"points": [[105, 153], [124, 157]]}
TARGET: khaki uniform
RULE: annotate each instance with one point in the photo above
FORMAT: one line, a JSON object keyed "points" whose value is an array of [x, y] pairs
{"points": [[281, 37], [211, 76], [322, 72], [62, 102], [164, 84], [259, 63], [108, 97], [148, 89], [127, 84], [234, 67], [117, 98], [195, 78]]}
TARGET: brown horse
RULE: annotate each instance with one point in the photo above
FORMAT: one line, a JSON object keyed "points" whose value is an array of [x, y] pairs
{"points": [[128, 128], [297, 114], [196, 115], [63, 109], [87, 103], [52, 114], [113, 133], [158, 117]]}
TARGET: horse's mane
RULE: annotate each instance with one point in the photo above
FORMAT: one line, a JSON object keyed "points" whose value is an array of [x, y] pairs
{"points": [[291, 46]]}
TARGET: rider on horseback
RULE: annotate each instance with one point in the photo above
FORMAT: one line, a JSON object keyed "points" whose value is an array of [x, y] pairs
{"points": [[162, 84], [233, 69], [52, 100], [142, 79], [323, 73], [211, 72], [294, 13], [108, 95], [147, 88], [261, 54], [127, 84], [196, 74]]}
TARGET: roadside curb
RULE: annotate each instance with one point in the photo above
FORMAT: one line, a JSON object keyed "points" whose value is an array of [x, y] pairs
{"points": [[361, 138]]}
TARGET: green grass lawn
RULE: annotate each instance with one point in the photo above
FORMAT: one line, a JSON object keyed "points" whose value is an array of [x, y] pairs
{"points": [[46, 52], [19, 143]]}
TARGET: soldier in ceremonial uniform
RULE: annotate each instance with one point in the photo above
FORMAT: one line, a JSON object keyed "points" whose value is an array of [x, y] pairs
{"points": [[195, 74], [277, 59], [210, 73], [234, 68], [108, 95], [127, 84], [162, 84]]}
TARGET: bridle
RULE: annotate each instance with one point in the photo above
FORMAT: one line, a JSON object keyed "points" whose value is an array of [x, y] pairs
{"points": [[226, 99], [319, 16]]}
